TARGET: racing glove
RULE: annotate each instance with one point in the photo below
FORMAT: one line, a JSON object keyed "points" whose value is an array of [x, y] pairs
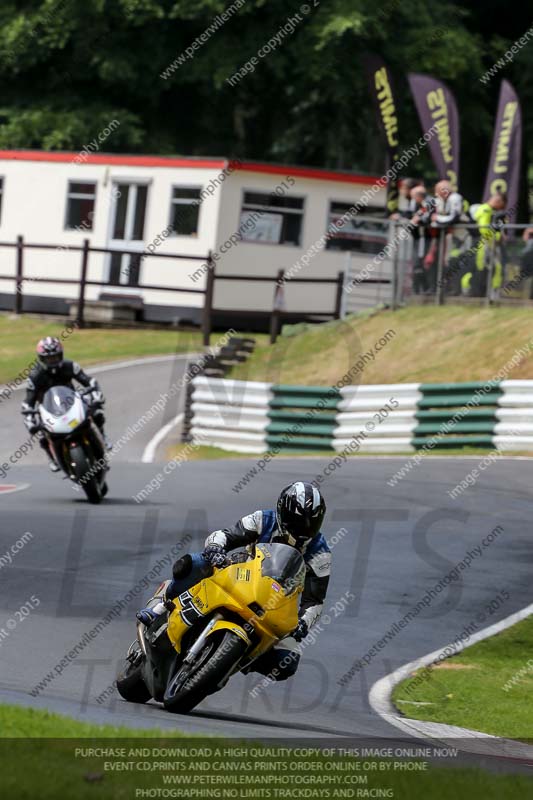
{"points": [[301, 631], [215, 555], [31, 418], [97, 396]]}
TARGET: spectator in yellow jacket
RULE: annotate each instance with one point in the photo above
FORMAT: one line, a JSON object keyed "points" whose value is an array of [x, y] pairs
{"points": [[488, 217]]}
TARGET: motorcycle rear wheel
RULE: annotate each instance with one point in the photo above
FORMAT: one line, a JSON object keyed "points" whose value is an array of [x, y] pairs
{"points": [[222, 654]]}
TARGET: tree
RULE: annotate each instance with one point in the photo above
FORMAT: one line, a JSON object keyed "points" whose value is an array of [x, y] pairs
{"points": [[164, 69]]}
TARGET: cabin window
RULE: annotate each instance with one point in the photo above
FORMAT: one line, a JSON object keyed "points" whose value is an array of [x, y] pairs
{"points": [[81, 198], [185, 210], [364, 232], [271, 218]]}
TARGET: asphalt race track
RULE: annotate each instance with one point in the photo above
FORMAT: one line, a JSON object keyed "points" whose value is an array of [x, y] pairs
{"points": [[397, 543], [130, 390]]}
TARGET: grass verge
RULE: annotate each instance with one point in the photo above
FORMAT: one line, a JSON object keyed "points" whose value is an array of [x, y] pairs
{"points": [[206, 453], [487, 687], [428, 344], [54, 763], [20, 722], [19, 335]]}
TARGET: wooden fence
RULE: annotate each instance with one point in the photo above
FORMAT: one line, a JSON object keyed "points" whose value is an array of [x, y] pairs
{"points": [[82, 282]]}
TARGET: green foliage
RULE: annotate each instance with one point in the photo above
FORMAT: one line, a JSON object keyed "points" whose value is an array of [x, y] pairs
{"points": [[68, 66], [49, 128]]}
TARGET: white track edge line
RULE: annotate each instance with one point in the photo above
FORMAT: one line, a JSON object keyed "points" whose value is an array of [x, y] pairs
{"points": [[139, 362], [381, 692], [150, 449]]}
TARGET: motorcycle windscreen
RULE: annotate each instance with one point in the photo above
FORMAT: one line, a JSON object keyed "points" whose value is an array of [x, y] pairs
{"points": [[284, 565], [59, 400]]}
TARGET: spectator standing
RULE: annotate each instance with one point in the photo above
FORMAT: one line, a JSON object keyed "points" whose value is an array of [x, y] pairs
{"points": [[422, 208], [450, 208], [526, 257], [526, 266], [405, 200], [488, 217]]}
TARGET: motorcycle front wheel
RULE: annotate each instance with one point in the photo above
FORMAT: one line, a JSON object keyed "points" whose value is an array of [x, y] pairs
{"points": [[81, 466], [190, 685]]}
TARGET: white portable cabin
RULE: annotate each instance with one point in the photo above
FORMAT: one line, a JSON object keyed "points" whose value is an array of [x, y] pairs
{"points": [[254, 218]]}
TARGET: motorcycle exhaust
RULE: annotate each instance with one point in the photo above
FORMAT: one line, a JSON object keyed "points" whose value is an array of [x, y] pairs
{"points": [[140, 637]]}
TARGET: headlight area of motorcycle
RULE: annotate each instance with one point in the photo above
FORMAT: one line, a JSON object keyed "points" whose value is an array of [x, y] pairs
{"points": [[256, 609], [288, 576]]}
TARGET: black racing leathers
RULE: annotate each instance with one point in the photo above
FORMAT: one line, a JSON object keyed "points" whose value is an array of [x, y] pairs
{"points": [[41, 379]]}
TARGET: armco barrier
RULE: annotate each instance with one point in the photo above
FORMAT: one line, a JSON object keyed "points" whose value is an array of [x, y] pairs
{"points": [[255, 417]]}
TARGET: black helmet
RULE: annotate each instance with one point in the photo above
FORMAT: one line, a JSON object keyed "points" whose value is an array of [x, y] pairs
{"points": [[300, 512], [50, 352]]}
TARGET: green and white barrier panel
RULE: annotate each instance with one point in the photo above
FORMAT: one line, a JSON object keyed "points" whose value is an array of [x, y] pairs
{"points": [[455, 415], [365, 417], [302, 418], [230, 414], [514, 416], [255, 417]]}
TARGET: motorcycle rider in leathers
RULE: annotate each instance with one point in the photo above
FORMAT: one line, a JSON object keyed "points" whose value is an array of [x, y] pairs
{"points": [[296, 521], [52, 369]]}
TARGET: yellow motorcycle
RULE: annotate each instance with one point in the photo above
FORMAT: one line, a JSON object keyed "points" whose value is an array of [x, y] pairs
{"points": [[214, 629]]}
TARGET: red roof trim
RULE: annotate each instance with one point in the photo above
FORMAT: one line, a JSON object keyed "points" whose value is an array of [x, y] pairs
{"points": [[113, 160], [191, 163], [307, 172]]}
